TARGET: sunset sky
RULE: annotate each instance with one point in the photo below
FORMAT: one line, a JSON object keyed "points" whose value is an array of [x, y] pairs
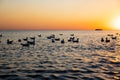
{"points": [[58, 14]]}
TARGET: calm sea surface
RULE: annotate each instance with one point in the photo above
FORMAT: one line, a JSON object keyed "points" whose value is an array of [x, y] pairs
{"points": [[88, 59]]}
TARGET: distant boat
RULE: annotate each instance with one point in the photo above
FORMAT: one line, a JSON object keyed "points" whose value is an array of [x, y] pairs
{"points": [[98, 29]]}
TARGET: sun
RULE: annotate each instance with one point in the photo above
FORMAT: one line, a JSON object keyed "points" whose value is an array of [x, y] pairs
{"points": [[116, 23]]}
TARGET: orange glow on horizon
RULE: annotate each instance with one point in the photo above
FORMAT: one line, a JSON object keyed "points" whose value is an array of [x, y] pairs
{"points": [[67, 14]]}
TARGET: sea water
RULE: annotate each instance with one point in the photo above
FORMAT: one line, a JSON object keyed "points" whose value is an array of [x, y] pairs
{"points": [[88, 59]]}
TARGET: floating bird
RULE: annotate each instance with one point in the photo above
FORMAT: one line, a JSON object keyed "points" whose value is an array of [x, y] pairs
{"points": [[9, 42], [57, 39], [71, 39], [19, 40], [72, 34], [25, 45], [50, 37], [33, 38], [114, 37], [117, 33], [110, 35], [102, 39], [0, 35], [107, 40], [62, 41], [53, 41], [25, 39], [39, 35], [76, 41], [61, 34], [31, 42]]}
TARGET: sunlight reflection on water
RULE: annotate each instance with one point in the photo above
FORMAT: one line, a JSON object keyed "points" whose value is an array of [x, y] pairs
{"points": [[90, 59]]}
